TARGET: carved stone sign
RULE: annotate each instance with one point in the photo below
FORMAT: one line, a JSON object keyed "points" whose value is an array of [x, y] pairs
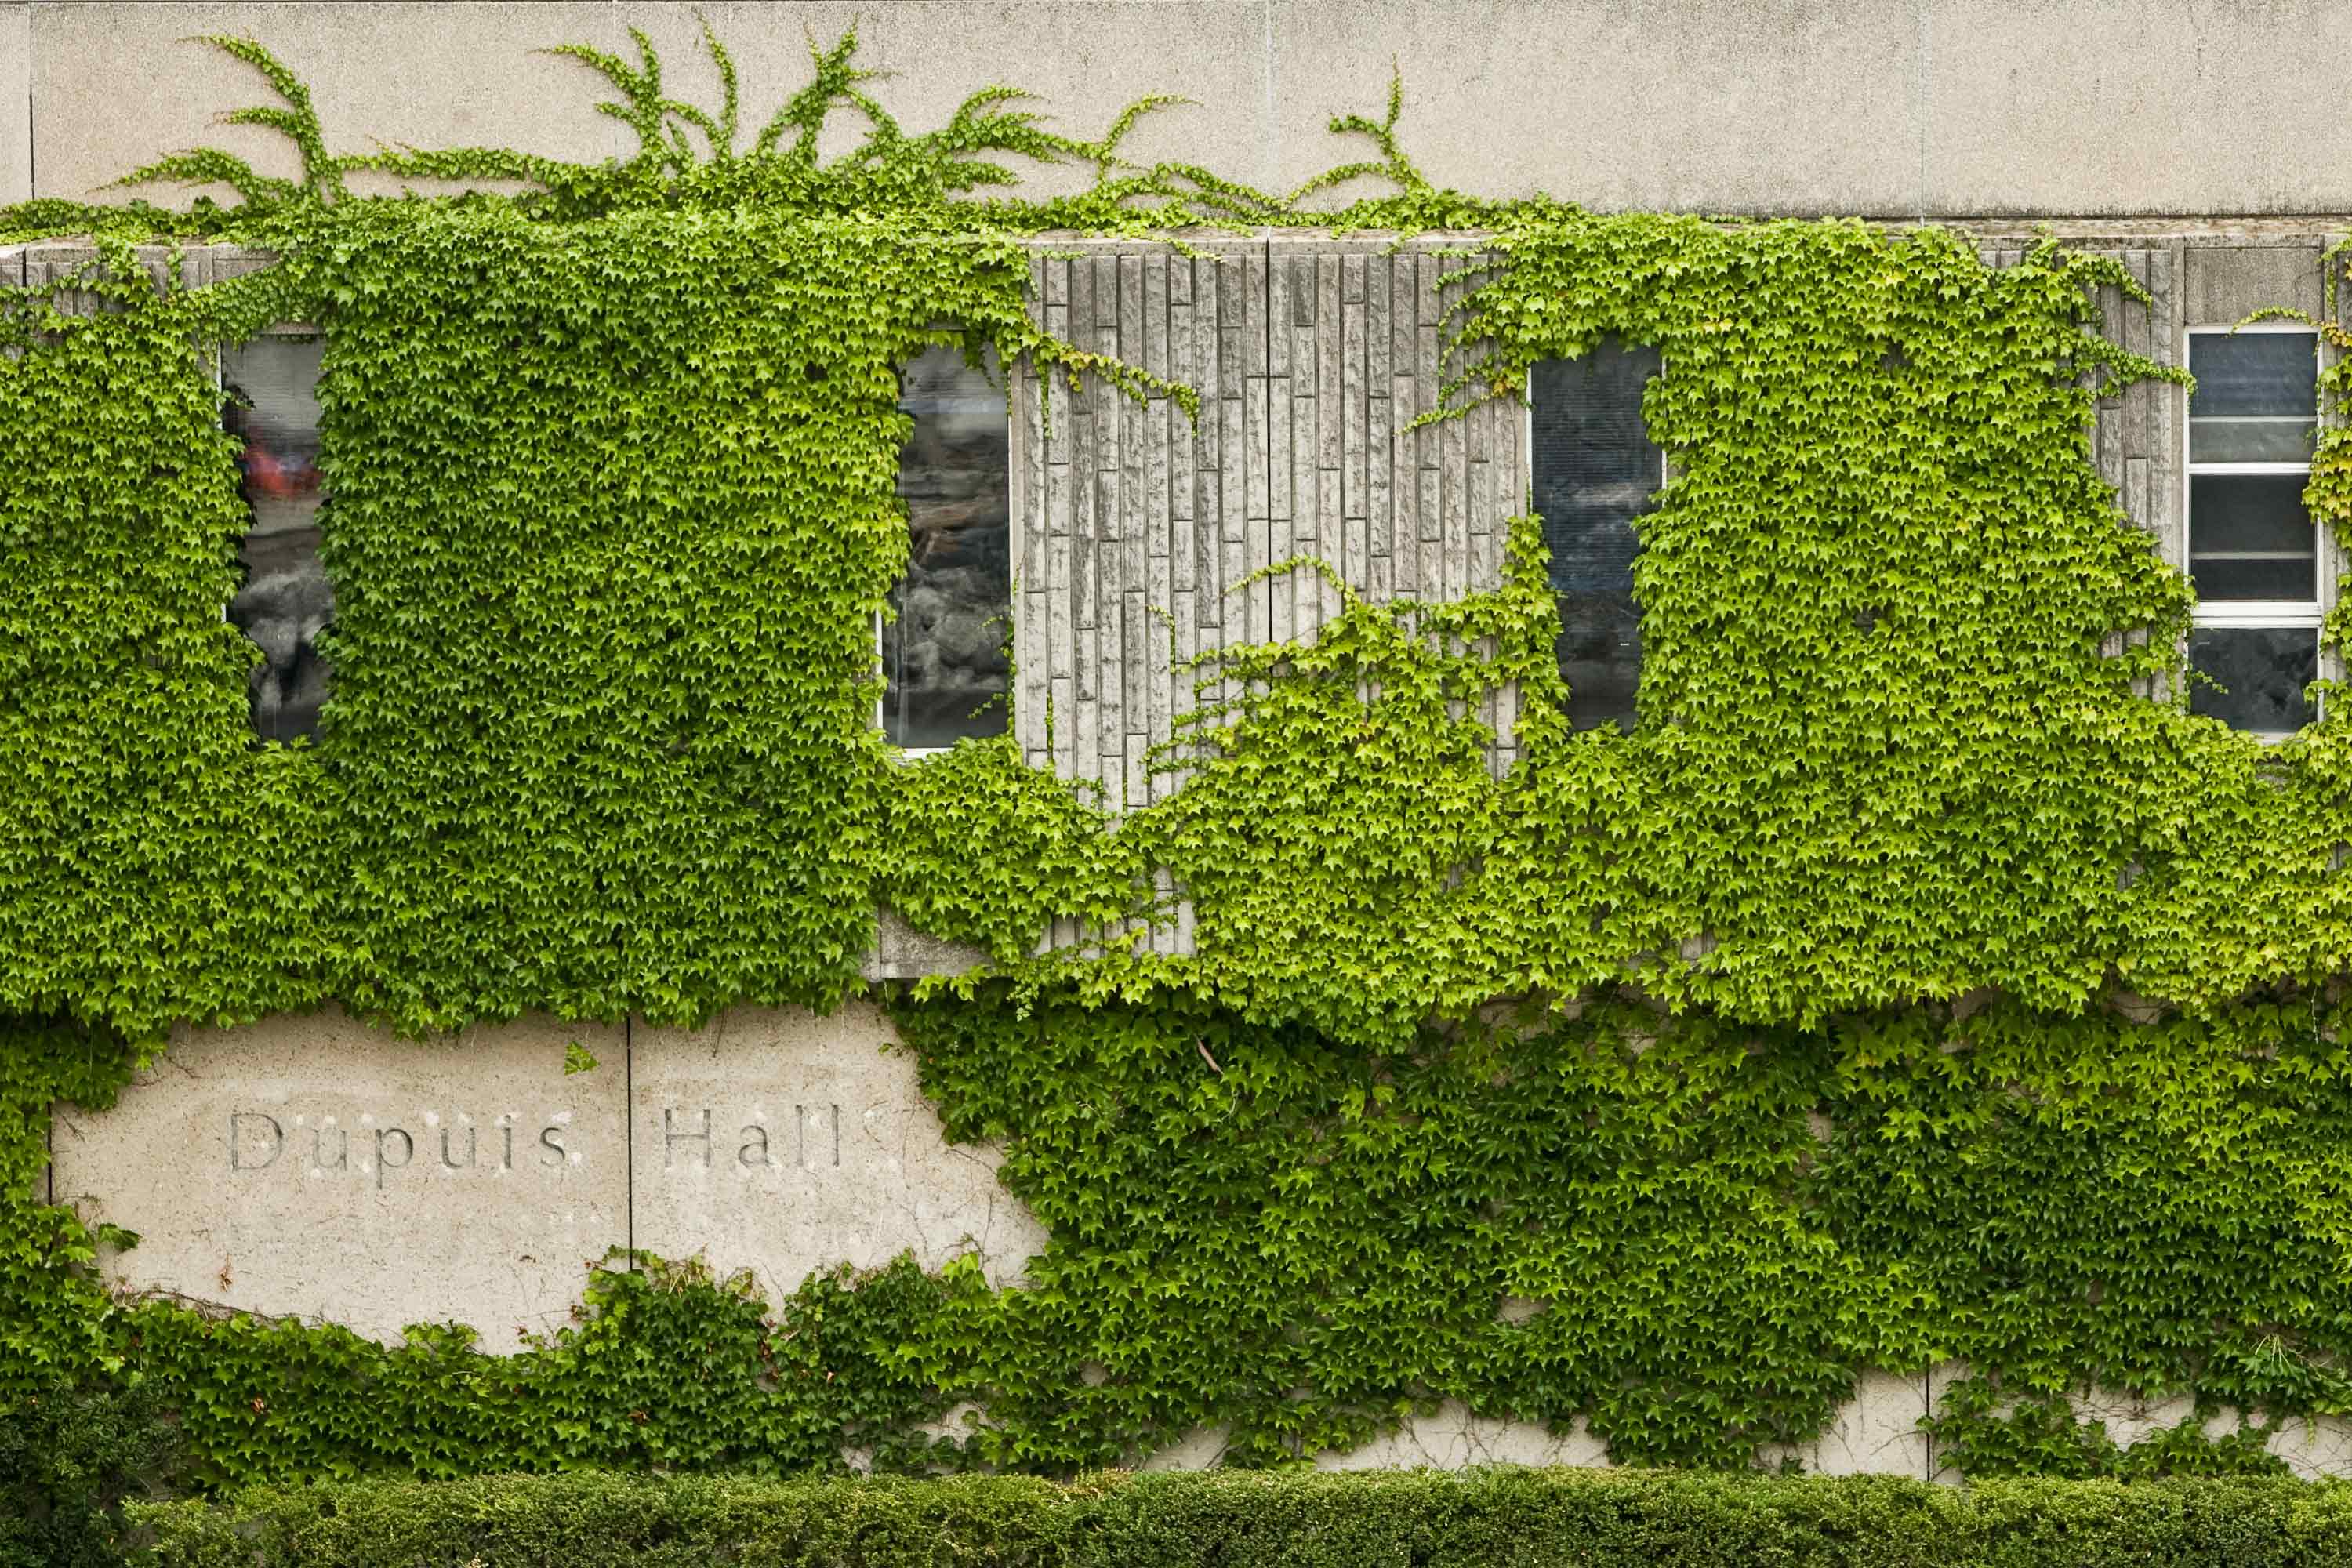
{"points": [[784, 1143], [313, 1167]]}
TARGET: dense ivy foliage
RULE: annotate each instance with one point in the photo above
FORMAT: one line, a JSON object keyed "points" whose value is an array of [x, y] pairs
{"points": [[611, 468], [69, 1455], [1485, 1519], [673, 801], [667, 1368], [1716, 1229], [1890, 749]]}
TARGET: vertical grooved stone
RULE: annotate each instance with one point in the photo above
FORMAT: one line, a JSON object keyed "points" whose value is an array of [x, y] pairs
{"points": [[1331, 349], [1354, 502], [2167, 503], [2139, 331], [1110, 625], [1307, 517], [1255, 441]]}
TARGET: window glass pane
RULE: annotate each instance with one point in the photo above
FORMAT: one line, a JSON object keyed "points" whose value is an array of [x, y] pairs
{"points": [[272, 405], [1595, 471], [2242, 375], [2251, 441], [2265, 671], [943, 651], [2249, 538]]}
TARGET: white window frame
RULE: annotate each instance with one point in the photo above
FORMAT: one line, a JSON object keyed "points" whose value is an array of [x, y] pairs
{"points": [[2257, 614]]}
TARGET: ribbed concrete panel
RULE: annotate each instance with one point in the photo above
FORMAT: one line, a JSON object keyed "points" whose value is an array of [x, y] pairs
{"points": [[1147, 539], [1145, 536]]}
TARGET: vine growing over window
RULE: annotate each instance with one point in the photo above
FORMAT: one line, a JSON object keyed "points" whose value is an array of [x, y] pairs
{"points": [[611, 465]]}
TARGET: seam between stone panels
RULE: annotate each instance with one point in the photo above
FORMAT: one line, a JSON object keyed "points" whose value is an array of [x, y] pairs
{"points": [[629, 1135], [1265, 431]]}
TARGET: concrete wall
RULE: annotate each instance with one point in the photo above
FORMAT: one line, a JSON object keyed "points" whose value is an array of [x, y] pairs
{"points": [[314, 1168], [1880, 108]]}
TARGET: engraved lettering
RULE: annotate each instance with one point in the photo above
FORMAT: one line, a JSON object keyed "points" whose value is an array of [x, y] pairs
{"points": [[754, 1151], [237, 1130], [828, 1120], [670, 1141], [258, 1139], [407, 1153]]}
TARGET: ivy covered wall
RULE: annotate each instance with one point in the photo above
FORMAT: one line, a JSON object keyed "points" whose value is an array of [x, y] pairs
{"points": [[1816, 1064]]}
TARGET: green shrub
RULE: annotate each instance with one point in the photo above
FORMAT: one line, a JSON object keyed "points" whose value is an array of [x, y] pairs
{"points": [[67, 1455], [1593, 1518]]}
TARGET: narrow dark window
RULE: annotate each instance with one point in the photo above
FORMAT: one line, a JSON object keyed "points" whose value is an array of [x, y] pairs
{"points": [[2254, 555], [272, 406], [943, 647], [1595, 473]]}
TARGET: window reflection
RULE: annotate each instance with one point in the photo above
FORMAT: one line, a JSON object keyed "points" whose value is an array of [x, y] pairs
{"points": [[2254, 402], [2262, 672], [1594, 471], [272, 406], [2254, 538], [943, 650]]}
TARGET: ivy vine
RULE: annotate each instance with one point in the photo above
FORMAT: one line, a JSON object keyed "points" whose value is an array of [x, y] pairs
{"points": [[612, 469]]}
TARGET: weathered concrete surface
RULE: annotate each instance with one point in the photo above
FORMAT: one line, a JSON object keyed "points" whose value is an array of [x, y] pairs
{"points": [[313, 1167], [902, 952], [1454, 1439], [15, 101], [436, 74], [1875, 1433], [2226, 284], [2319, 1448], [1882, 108], [784, 1143]]}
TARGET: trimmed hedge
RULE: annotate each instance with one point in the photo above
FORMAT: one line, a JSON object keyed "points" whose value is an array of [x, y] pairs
{"points": [[1595, 1519]]}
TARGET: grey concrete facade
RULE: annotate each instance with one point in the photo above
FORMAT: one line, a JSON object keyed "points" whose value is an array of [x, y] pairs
{"points": [[780, 1142], [1902, 108], [1898, 108]]}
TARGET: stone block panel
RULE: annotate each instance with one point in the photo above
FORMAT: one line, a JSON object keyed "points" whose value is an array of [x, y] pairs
{"points": [[2229, 282], [783, 1142], [317, 1168]]}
